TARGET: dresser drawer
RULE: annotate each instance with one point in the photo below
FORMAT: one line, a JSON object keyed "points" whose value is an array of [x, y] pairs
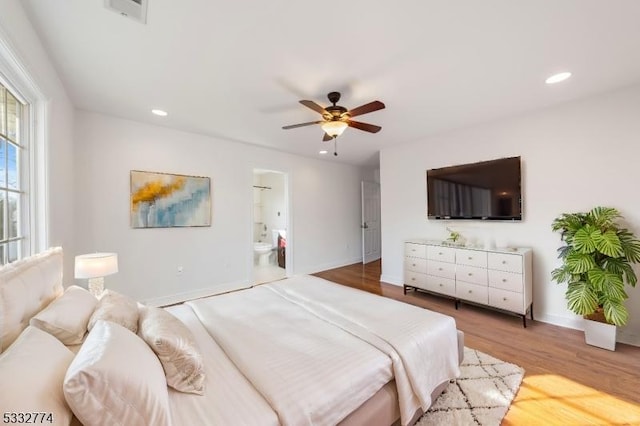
{"points": [[415, 264], [415, 250], [443, 254], [472, 292], [471, 258], [506, 280], [507, 300], [415, 279], [505, 262], [441, 269], [441, 285], [471, 274]]}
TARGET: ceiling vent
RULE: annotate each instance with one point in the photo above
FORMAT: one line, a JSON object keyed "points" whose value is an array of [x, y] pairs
{"points": [[134, 9]]}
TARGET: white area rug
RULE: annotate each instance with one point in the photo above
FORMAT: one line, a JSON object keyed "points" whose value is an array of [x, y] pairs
{"points": [[480, 396]]}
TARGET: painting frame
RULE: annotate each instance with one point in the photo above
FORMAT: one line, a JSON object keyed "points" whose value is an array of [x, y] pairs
{"points": [[169, 200]]}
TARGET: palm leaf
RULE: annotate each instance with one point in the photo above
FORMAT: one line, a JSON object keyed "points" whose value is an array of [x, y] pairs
{"points": [[609, 244], [615, 313], [621, 267], [564, 251], [603, 216], [630, 245], [579, 263], [585, 239], [561, 274], [581, 298], [609, 284]]}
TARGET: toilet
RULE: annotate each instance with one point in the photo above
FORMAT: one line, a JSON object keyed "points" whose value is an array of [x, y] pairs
{"points": [[264, 250]]}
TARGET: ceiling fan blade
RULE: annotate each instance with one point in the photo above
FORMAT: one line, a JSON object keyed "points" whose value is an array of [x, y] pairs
{"points": [[293, 126], [326, 138], [372, 128], [366, 108], [314, 106]]}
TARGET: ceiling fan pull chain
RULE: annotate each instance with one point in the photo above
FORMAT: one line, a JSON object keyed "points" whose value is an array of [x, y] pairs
{"points": [[335, 146]]}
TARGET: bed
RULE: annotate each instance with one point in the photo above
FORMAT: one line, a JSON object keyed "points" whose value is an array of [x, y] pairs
{"points": [[302, 351]]}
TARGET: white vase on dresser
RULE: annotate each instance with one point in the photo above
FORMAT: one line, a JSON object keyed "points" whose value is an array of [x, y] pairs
{"points": [[496, 278]]}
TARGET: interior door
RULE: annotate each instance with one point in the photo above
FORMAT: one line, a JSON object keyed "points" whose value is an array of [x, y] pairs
{"points": [[370, 221]]}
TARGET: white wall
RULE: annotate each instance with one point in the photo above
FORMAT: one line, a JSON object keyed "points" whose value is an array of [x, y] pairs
{"points": [[16, 32], [325, 211], [574, 157]]}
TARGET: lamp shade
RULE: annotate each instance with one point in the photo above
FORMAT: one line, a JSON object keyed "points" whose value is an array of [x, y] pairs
{"points": [[334, 128], [96, 265]]}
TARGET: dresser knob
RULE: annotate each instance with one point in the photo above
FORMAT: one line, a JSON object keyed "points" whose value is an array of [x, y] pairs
{"points": [[470, 258], [504, 298], [504, 280], [470, 274], [440, 284], [439, 269], [439, 253], [470, 291], [504, 262], [413, 279], [414, 264]]}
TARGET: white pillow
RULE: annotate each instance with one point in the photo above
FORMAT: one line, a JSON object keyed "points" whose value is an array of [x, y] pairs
{"points": [[67, 317], [116, 379], [118, 308], [31, 373], [176, 348]]}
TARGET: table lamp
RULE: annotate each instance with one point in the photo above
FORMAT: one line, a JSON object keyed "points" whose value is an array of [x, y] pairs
{"points": [[96, 266]]}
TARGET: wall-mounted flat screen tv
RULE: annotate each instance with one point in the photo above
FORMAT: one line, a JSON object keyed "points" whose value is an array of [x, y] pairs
{"points": [[488, 190]]}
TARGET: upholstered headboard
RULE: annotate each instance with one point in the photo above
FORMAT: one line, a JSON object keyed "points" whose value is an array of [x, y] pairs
{"points": [[26, 287]]}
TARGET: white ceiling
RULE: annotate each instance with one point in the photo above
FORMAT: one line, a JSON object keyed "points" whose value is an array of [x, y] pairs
{"points": [[236, 69]]}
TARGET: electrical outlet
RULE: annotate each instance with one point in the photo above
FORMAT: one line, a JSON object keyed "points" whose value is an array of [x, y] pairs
{"points": [[180, 270]]}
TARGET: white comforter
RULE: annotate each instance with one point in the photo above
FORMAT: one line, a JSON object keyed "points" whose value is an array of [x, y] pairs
{"points": [[309, 371], [218, 406], [294, 341], [422, 344]]}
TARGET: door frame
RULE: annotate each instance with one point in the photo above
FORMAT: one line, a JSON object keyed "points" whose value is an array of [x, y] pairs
{"points": [[363, 224], [289, 223]]}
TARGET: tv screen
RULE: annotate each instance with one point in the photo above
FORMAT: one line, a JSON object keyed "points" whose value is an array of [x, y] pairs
{"points": [[489, 190]]}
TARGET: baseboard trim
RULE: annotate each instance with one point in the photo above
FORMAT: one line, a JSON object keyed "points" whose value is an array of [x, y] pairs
{"points": [[197, 294], [624, 336], [326, 266]]}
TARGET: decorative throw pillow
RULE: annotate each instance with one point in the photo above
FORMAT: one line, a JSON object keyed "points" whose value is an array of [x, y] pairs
{"points": [[32, 370], [176, 348], [67, 317], [117, 308], [115, 379]]}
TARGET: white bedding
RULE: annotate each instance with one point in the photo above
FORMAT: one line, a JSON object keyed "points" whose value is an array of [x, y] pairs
{"points": [[422, 344], [229, 399], [294, 341], [309, 371]]}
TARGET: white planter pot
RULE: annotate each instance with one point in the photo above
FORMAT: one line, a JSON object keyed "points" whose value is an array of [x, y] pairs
{"points": [[600, 334]]}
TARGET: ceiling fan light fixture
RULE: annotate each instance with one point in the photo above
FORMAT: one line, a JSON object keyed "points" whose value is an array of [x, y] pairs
{"points": [[334, 128]]}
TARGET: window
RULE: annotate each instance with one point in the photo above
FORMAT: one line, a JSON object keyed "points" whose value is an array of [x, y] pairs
{"points": [[13, 165]]}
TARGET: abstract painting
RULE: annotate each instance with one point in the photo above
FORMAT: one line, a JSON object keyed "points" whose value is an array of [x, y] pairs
{"points": [[163, 200]]}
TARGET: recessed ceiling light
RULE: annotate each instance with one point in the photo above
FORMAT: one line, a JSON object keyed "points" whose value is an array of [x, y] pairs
{"points": [[557, 78], [159, 112], [323, 152]]}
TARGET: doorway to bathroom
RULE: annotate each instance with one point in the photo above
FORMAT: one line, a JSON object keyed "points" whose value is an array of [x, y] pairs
{"points": [[270, 225]]}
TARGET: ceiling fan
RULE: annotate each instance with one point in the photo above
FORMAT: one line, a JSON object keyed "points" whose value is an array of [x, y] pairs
{"points": [[335, 118]]}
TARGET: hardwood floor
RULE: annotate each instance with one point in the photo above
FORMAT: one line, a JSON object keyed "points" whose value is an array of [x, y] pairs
{"points": [[566, 381]]}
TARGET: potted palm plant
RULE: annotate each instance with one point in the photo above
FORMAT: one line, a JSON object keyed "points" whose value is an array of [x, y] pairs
{"points": [[596, 265]]}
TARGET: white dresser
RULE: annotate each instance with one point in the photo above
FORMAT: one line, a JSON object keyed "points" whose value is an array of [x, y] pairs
{"points": [[497, 278]]}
